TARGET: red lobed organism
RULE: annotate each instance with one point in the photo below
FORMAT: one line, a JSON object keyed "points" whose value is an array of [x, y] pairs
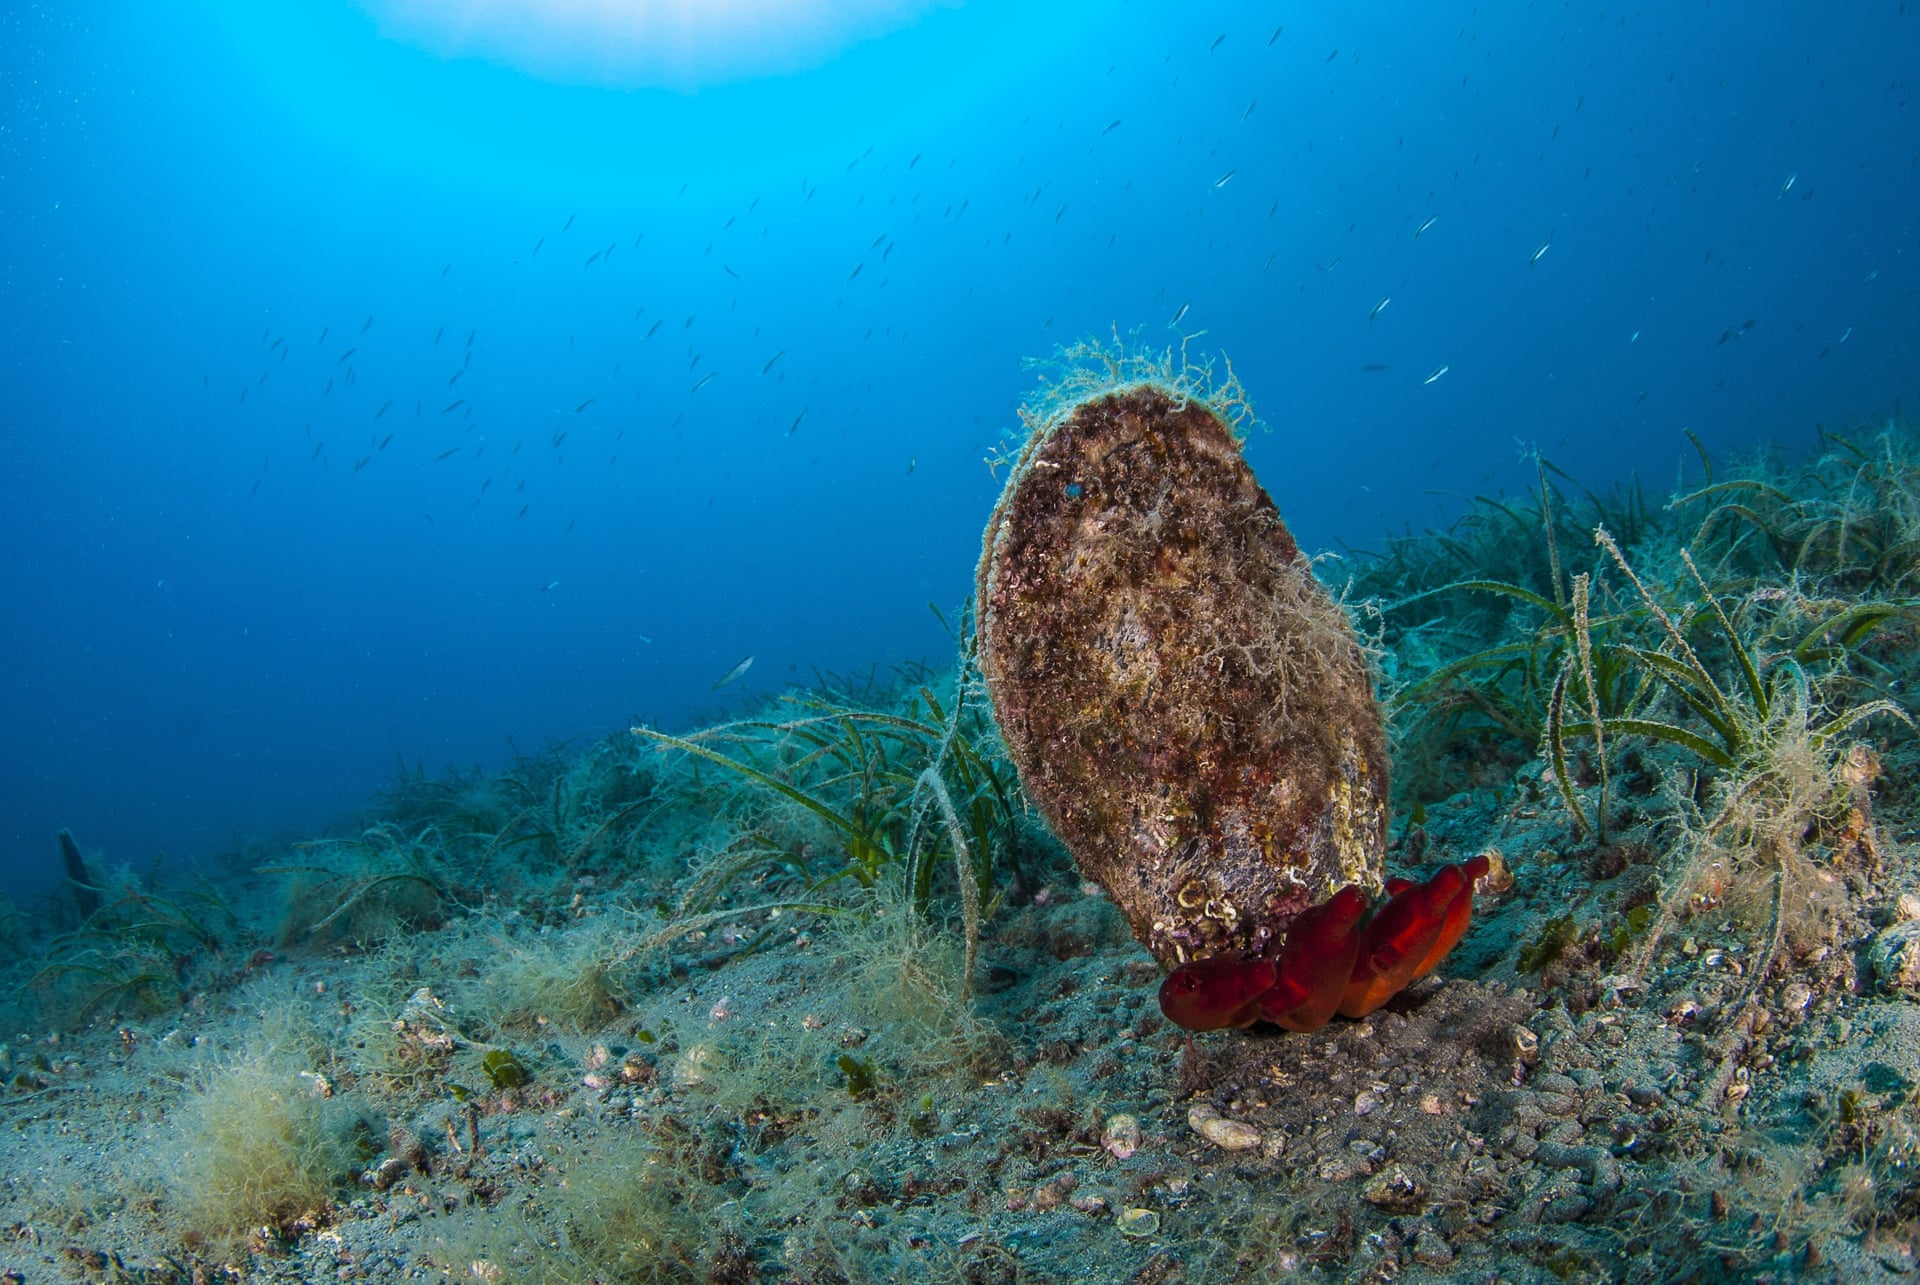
{"points": [[1334, 958]]}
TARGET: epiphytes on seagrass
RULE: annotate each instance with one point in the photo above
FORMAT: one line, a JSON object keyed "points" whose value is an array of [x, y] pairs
{"points": [[1194, 716]]}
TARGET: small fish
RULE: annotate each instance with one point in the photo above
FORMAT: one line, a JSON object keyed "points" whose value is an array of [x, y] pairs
{"points": [[523, 512], [383, 442], [730, 272], [776, 357], [1846, 335], [1380, 307], [361, 463], [323, 335], [348, 353], [734, 673], [536, 246], [316, 452], [1535, 256], [568, 224], [856, 271], [1431, 220], [1218, 40], [367, 324], [1180, 315], [444, 271], [550, 586], [1250, 106], [592, 259], [1223, 179], [913, 462], [1113, 125], [454, 378], [447, 454], [1373, 368], [1634, 338], [703, 381], [583, 405], [1435, 375], [1275, 36], [557, 439], [1787, 186], [383, 409], [453, 405], [796, 421], [655, 326]]}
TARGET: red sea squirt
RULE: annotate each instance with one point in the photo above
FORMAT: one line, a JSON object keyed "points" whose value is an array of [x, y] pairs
{"points": [[1330, 960]]}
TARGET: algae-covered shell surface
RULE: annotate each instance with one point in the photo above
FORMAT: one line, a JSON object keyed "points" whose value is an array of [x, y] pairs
{"points": [[1184, 702]]}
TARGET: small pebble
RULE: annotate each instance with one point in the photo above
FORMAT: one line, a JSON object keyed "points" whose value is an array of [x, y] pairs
{"points": [[1895, 956], [388, 1172], [1347, 1165], [1229, 1135], [1121, 1136], [1400, 1190], [1430, 1249]]}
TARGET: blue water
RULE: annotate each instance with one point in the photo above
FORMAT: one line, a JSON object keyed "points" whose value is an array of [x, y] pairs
{"points": [[230, 233]]}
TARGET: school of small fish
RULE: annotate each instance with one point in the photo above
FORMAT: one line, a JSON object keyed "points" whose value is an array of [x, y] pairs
{"points": [[402, 395]]}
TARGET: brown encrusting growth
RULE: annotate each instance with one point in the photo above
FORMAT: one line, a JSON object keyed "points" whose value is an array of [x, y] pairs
{"points": [[1182, 699]]}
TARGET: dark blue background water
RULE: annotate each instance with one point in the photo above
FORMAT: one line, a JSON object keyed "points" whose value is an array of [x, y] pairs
{"points": [[230, 597]]}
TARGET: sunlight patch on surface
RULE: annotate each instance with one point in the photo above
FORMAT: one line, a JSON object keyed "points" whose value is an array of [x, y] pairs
{"points": [[669, 43]]}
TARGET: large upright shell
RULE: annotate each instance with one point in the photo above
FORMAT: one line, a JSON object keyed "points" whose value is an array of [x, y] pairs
{"points": [[1183, 701]]}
